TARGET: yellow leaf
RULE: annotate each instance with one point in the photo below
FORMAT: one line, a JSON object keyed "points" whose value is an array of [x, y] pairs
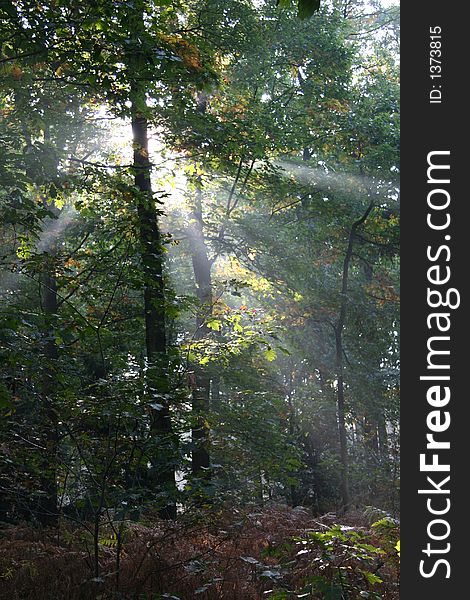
{"points": [[270, 354]]}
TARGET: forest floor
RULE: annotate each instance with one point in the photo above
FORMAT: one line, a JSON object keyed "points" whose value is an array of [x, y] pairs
{"points": [[277, 553]]}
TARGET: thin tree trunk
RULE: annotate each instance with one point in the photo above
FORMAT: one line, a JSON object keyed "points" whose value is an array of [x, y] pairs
{"points": [[47, 505], [294, 495], [339, 328], [202, 267], [343, 442], [200, 464]]}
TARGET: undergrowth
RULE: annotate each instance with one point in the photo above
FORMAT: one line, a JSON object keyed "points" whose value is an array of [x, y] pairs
{"points": [[276, 553]]}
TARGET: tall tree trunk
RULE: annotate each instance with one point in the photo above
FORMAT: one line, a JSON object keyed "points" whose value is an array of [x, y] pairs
{"points": [[343, 442], [154, 311], [202, 267], [47, 505], [48, 502], [200, 464], [163, 459], [339, 328], [294, 491]]}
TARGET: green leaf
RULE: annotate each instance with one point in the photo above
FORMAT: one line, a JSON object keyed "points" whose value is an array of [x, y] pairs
{"points": [[372, 578], [214, 324], [109, 541]]}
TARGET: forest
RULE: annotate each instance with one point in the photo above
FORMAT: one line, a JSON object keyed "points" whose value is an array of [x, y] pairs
{"points": [[199, 299]]}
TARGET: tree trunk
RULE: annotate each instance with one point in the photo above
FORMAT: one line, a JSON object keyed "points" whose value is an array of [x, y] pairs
{"points": [[154, 311], [339, 328], [163, 459], [294, 492], [200, 465], [341, 410], [47, 504]]}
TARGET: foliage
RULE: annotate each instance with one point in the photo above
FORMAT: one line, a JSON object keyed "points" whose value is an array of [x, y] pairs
{"points": [[181, 192]]}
